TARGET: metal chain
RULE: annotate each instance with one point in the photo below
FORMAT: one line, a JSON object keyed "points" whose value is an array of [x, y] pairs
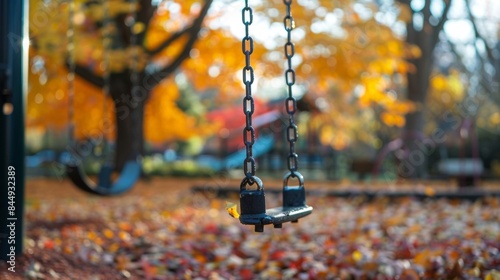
{"points": [[134, 64], [290, 101], [70, 36], [248, 101], [107, 49]]}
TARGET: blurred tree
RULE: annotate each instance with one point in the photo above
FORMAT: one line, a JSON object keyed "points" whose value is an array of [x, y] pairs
{"points": [[423, 28], [346, 57], [352, 61], [483, 70], [465, 80], [487, 50], [130, 49], [365, 63]]}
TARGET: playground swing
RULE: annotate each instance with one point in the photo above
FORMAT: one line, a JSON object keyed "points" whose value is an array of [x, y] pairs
{"points": [[74, 170], [252, 202]]}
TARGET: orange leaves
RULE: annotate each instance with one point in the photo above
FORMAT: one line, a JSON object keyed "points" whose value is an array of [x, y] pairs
{"points": [[392, 119], [391, 48], [45, 103], [394, 116], [48, 103], [343, 124], [446, 91], [405, 13], [402, 107], [385, 66], [93, 112], [438, 82], [336, 138], [344, 56], [49, 107], [170, 17], [216, 62], [160, 110], [351, 65], [165, 121], [167, 55], [414, 52], [110, 8]]}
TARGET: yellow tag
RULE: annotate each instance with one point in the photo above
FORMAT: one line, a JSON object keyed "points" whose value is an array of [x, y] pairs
{"points": [[232, 209]]}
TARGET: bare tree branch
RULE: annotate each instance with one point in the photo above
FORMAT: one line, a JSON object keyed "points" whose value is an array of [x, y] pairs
{"points": [[478, 35], [145, 14], [154, 79], [484, 82], [439, 27], [89, 76], [170, 40], [426, 11], [405, 2], [193, 28]]}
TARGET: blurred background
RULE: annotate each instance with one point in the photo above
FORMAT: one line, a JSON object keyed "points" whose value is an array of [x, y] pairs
{"points": [[386, 89]]}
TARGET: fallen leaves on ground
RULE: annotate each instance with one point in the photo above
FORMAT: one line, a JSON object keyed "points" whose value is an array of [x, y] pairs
{"points": [[184, 235]]}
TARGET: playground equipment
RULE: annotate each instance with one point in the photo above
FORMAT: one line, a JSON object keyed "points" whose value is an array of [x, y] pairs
{"points": [[74, 169], [261, 146], [252, 202], [466, 169]]}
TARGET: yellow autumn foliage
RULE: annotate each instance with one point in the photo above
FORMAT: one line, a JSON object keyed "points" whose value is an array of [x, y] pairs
{"points": [[446, 90], [350, 65], [93, 113]]}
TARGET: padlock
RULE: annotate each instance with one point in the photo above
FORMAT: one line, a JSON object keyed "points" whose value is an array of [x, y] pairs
{"points": [[294, 196], [252, 202]]}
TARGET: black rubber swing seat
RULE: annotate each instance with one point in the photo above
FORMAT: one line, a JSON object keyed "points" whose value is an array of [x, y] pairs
{"points": [[126, 180], [276, 216], [253, 205]]}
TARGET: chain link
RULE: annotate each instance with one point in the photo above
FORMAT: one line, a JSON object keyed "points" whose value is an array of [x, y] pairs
{"points": [[248, 101], [290, 102], [134, 64], [70, 34]]}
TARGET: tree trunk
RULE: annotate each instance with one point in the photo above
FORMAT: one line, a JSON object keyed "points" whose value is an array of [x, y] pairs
{"points": [[414, 164], [129, 98], [129, 117]]}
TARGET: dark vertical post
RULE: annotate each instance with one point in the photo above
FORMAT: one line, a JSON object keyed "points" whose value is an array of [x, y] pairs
{"points": [[13, 31], [3, 122]]}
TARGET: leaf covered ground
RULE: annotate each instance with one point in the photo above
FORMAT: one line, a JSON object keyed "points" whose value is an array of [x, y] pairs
{"points": [[161, 230]]}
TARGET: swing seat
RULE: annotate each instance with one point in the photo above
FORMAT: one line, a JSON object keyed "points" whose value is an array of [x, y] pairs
{"points": [[128, 177], [253, 202], [280, 215], [104, 177], [253, 205], [276, 216]]}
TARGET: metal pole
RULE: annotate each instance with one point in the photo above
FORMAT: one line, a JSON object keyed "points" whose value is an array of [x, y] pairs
{"points": [[13, 55]]}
